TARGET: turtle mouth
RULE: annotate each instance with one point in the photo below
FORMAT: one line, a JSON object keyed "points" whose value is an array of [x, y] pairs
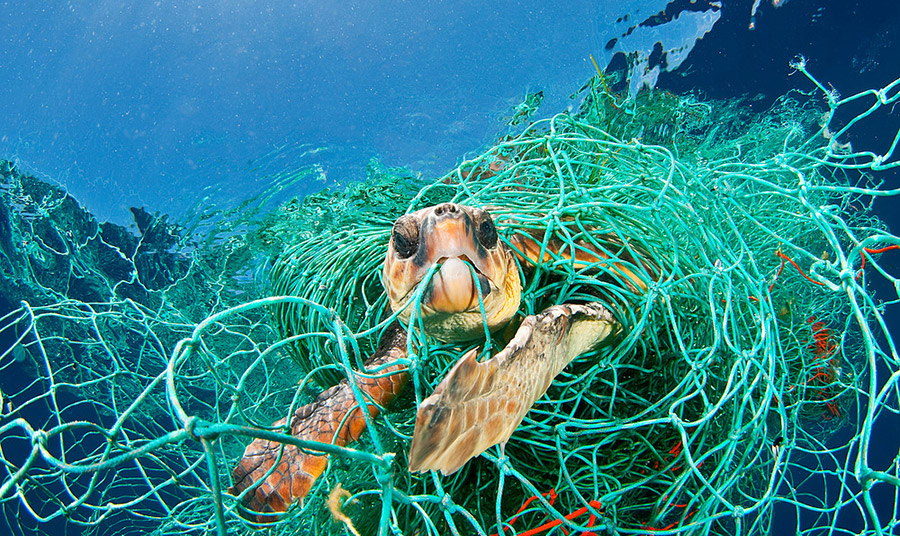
{"points": [[453, 289]]}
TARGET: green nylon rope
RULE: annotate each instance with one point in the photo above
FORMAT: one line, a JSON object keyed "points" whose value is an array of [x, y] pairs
{"points": [[748, 382]]}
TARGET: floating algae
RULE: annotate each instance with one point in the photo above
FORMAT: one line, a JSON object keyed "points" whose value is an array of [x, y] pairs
{"points": [[759, 339]]}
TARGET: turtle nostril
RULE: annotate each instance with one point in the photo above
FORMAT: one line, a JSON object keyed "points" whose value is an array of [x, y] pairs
{"points": [[446, 208]]}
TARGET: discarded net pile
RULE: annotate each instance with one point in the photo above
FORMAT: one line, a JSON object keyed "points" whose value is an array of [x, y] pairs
{"points": [[749, 380]]}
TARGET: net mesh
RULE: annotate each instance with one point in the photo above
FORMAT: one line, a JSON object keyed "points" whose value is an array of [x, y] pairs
{"points": [[753, 376]]}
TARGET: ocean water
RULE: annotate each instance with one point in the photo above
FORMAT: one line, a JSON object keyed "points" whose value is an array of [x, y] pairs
{"points": [[162, 119]]}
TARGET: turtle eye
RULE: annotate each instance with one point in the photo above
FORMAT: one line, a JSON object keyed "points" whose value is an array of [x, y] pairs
{"points": [[486, 232], [405, 238]]}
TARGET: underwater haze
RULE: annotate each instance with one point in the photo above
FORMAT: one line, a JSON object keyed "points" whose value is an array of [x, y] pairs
{"points": [[196, 200], [152, 103]]}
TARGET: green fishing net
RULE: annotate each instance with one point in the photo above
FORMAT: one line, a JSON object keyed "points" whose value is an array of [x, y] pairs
{"points": [[749, 384]]}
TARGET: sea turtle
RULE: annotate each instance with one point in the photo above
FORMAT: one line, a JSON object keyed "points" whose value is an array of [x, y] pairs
{"points": [[477, 404]]}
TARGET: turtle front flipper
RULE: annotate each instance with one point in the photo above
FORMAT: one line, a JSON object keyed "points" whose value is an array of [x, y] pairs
{"points": [[478, 405], [333, 417]]}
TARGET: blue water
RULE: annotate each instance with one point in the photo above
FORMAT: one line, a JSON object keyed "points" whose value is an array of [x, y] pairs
{"points": [[158, 104], [150, 102]]}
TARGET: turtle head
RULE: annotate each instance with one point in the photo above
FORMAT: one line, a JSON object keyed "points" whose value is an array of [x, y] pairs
{"points": [[462, 241]]}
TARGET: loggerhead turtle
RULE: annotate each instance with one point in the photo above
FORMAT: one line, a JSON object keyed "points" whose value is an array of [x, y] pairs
{"points": [[477, 404]]}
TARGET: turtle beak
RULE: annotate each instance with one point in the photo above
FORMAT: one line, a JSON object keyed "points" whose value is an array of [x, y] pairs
{"points": [[451, 235], [453, 289]]}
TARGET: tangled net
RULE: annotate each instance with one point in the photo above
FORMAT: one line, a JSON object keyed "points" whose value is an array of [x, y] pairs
{"points": [[747, 387]]}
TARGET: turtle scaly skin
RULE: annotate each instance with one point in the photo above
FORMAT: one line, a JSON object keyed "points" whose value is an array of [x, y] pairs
{"points": [[319, 420], [480, 404]]}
